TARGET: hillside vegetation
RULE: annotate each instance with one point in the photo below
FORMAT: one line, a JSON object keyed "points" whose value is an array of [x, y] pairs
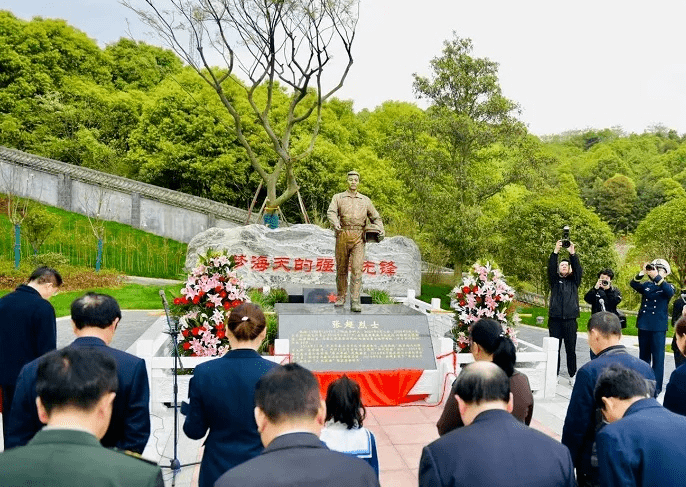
{"points": [[463, 177]]}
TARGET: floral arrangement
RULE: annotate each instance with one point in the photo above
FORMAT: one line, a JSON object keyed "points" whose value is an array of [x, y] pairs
{"points": [[483, 293], [211, 291]]}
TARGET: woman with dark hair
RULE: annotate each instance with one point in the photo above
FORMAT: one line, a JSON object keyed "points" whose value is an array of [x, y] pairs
{"points": [[675, 394], [489, 343], [343, 430], [222, 397]]}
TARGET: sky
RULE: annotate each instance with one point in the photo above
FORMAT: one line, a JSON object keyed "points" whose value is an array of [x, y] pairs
{"points": [[569, 65]]}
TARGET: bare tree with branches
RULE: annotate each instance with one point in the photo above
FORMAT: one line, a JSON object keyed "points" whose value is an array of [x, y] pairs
{"points": [[16, 183], [95, 204], [274, 44]]}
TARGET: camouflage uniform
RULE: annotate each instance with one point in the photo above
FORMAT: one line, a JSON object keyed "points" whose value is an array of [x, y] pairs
{"points": [[350, 211]]}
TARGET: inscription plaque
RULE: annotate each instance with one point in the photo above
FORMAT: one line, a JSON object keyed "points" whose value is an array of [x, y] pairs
{"points": [[382, 337]]}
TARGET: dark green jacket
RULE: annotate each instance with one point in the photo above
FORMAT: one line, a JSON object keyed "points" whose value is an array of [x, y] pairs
{"points": [[70, 458]]}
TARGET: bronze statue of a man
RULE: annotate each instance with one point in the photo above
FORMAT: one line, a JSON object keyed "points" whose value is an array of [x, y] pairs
{"points": [[348, 213]]}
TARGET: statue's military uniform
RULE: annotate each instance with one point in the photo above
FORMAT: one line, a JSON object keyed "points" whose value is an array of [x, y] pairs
{"points": [[350, 211]]}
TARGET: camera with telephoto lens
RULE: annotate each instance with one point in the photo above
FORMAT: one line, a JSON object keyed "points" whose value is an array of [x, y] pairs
{"points": [[565, 237], [605, 282], [650, 267]]}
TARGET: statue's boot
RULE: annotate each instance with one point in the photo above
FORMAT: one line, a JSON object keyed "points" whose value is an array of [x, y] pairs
{"points": [[355, 306]]}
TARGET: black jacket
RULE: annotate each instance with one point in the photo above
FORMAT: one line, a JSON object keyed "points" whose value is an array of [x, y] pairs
{"points": [[611, 298], [564, 291], [28, 329], [678, 308]]}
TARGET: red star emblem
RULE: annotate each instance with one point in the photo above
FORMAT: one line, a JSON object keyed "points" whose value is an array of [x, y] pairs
{"points": [[332, 298]]}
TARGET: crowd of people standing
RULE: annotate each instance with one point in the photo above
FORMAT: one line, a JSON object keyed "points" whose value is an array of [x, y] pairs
{"points": [[268, 424]]}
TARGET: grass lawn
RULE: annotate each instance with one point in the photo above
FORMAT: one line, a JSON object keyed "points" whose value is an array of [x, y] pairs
{"points": [[441, 290], [582, 320], [436, 291], [129, 296]]}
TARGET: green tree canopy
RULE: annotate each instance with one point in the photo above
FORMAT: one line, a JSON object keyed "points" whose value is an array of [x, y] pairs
{"points": [[533, 227], [662, 234]]}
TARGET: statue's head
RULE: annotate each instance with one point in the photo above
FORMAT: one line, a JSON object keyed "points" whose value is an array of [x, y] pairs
{"points": [[353, 180]]}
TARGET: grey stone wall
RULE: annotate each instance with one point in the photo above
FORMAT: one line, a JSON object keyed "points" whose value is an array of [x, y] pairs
{"points": [[156, 210]]}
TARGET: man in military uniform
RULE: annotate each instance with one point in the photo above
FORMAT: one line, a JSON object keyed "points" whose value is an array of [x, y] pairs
{"points": [[348, 214], [652, 316], [76, 388]]}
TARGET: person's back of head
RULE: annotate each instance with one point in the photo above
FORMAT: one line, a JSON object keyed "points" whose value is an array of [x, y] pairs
{"points": [[246, 322], [617, 388], [481, 382], [482, 386], [606, 323], [288, 392], [94, 310], [344, 402], [490, 336], [75, 380], [680, 326], [44, 275]]}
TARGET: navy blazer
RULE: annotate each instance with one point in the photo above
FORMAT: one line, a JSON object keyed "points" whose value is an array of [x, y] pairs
{"points": [[130, 424], [222, 399], [578, 432], [496, 449], [675, 394], [652, 316], [643, 449], [302, 460], [28, 329]]}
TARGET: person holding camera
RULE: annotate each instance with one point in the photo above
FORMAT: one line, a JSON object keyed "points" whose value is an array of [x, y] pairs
{"points": [[652, 315], [603, 296], [678, 310], [564, 279]]}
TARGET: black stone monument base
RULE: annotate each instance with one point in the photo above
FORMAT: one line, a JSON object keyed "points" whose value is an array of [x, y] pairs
{"points": [[382, 337], [315, 295]]}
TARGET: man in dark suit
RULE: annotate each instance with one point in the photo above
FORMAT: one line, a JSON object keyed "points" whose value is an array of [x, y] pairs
{"points": [[644, 443], [583, 419], [95, 318], [76, 388], [494, 449], [290, 415], [27, 330]]}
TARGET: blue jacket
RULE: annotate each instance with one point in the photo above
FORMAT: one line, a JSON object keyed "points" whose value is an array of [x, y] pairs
{"points": [[222, 399], [652, 316], [130, 424], [578, 432], [675, 394], [495, 450], [643, 449], [28, 329]]}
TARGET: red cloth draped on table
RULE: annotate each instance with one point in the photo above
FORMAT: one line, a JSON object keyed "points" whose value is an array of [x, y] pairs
{"points": [[379, 387]]}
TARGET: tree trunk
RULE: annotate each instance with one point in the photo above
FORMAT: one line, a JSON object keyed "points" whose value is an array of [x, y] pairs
{"points": [[98, 258], [17, 245]]}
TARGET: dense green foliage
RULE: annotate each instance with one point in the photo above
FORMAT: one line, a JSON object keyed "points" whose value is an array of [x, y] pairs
{"points": [[461, 177]]}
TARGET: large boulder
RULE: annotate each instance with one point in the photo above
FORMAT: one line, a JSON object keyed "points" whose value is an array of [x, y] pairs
{"points": [[303, 255]]}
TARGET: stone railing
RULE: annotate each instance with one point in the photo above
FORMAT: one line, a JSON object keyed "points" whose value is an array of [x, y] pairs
{"points": [[538, 363], [157, 210]]}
